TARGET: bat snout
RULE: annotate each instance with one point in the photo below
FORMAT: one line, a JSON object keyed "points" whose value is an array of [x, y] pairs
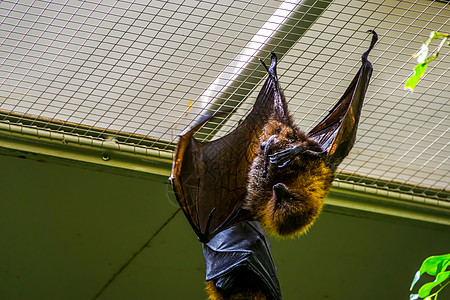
{"points": [[280, 191]]}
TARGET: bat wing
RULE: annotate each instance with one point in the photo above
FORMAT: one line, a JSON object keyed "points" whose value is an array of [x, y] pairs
{"points": [[336, 133], [210, 179], [243, 252]]}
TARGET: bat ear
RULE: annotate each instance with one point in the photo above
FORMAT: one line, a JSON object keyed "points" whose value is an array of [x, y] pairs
{"points": [[336, 133]]}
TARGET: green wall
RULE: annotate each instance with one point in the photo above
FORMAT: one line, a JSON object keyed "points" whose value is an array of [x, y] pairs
{"points": [[67, 229]]}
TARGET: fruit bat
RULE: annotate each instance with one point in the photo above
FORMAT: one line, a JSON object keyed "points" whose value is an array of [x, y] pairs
{"points": [[266, 171], [293, 171]]}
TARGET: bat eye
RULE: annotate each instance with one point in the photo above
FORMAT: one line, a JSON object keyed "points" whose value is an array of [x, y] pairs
{"points": [[271, 140], [263, 145]]}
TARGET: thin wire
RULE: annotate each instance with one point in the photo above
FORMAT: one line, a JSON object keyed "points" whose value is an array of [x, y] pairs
{"points": [[148, 95], [70, 59], [325, 79], [98, 83], [215, 62], [400, 144]]}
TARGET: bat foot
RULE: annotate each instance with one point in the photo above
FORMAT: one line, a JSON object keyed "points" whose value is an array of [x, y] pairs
{"points": [[372, 44], [282, 158], [272, 69]]}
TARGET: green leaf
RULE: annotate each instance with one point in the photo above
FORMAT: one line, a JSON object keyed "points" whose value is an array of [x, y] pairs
{"points": [[440, 35], [425, 290], [419, 70], [434, 265], [424, 58]]}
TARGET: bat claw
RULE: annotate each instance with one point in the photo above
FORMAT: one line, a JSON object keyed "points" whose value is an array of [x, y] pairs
{"points": [[272, 69], [372, 44], [283, 165], [282, 158]]}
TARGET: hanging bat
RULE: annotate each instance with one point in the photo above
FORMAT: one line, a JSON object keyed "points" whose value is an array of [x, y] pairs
{"points": [[293, 171], [266, 170]]}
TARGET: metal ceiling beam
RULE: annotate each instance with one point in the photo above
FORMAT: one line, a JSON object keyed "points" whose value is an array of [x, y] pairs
{"points": [[340, 199], [44, 145]]}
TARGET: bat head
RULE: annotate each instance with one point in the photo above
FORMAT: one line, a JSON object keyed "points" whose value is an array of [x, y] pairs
{"points": [[288, 180]]}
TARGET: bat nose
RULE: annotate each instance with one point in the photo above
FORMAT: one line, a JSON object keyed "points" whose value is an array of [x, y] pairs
{"points": [[279, 190]]}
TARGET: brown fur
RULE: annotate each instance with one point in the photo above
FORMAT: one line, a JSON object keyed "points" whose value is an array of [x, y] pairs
{"points": [[238, 294], [305, 182]]}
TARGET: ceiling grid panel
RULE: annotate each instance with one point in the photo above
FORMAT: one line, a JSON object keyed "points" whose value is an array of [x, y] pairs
{"points": [[137, 73]]}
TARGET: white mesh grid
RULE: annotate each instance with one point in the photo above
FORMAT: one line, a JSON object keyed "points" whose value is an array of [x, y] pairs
{"points": [[133, 69]]}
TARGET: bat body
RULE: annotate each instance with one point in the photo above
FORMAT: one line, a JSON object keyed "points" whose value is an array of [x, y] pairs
{"points": [[266, 171], [286, 190]]}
